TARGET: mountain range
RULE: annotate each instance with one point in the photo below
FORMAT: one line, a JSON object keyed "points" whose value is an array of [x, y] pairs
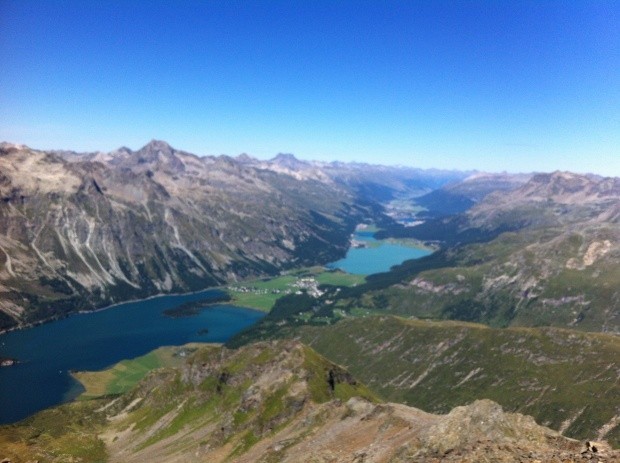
{"points": [[81, 231], [84, 230]]}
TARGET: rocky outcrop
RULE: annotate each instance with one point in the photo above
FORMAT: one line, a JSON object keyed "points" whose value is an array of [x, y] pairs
{"points": [[7, 362]]}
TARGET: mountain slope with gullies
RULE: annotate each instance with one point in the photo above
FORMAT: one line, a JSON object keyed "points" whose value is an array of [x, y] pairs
{"points": [[547, 253], [80, 231], [275, 402], [565, 379]]}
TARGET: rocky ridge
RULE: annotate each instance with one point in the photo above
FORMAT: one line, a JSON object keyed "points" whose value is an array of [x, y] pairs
{"points": [[278, 402], [566, 380]]}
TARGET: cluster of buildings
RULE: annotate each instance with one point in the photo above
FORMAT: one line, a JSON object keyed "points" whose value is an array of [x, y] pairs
{"points": [[310, 285], [307, 284]]}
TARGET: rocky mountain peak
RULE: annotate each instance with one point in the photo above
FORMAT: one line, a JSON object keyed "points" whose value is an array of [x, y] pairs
{"points": [[244, 158], [288, 160], [158, 155], [155, 146], [6, 147], [567, 188], [124, 149]]}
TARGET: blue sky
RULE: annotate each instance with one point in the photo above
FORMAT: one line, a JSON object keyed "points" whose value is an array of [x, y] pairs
{"points": [[491, 85]]}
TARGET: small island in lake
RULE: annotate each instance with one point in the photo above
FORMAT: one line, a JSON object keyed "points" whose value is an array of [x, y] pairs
{"points": [[7, 362], [190, 309]]}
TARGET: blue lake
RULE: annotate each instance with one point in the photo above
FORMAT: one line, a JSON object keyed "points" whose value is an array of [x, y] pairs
{"points": [[96, 340], [378, 257]]}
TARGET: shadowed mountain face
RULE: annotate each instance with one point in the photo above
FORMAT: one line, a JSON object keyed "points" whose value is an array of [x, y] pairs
{"points": [[81, 231], [274, 402], [460, 196]]}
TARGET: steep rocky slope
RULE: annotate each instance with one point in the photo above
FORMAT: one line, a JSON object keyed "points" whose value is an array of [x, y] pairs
{"points": [[82, 231], [276, 402]]}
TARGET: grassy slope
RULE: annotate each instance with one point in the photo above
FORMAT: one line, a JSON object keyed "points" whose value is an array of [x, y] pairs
{"points": [[61, 434], [263, 302], [126, 374], [567, 380], [525, 278], [227, 398]]}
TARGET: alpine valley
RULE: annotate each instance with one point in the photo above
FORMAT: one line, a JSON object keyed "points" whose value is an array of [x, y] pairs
{"points": [[500, 345], [83, 231]]}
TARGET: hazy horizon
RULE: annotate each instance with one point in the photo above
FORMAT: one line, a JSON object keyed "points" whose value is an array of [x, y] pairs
{"points": [[475, 85]]}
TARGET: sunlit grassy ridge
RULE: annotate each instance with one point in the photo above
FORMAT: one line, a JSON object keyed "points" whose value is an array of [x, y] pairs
{"points": [[528, 278]]}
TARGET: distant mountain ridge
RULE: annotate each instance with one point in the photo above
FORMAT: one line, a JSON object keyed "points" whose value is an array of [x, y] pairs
{"points": [[459, 196]]}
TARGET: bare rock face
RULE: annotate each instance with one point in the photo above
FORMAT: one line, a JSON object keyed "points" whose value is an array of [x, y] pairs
{"points": [[483, 432], [482, 420]]}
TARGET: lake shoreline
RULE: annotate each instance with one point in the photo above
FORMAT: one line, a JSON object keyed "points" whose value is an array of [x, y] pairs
{"points": [[405, 243], [116, 304], [48, 355], [141, 324]]}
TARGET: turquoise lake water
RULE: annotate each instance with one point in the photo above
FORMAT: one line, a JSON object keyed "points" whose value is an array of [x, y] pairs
{"points": [[376, 259], [96, 340]]}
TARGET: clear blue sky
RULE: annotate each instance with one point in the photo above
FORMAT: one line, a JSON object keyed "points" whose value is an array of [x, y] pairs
{"points": [[492, 85]]}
